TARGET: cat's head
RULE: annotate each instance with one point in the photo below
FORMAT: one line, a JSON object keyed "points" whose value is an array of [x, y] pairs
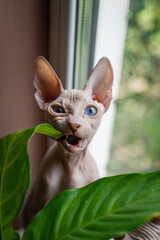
{"points": [[76, 113]]}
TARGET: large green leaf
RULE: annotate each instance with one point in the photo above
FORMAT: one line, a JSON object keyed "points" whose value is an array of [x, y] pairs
{"points": [[106, 208], [15, 175]]}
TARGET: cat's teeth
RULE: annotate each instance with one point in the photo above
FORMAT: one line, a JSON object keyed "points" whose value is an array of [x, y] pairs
{"points": [[67, 136]]}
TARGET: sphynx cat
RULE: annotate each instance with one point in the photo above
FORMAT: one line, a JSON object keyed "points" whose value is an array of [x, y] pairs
{"points": [[77, 114]]}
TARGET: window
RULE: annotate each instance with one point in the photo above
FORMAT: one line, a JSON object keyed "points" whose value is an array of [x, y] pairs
{"points": [[136, 135]]}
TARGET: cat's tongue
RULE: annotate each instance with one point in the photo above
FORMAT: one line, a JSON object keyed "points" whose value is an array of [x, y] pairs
{"points": [[73, 140]]}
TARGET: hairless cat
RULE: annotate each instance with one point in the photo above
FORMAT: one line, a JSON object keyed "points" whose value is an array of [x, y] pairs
{"points": [[77, 114]]}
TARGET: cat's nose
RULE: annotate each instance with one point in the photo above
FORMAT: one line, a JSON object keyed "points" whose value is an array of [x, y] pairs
{"points": [[74, 126]]}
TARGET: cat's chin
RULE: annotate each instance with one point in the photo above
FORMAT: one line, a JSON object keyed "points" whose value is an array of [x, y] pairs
{"points": [[72, 143]]}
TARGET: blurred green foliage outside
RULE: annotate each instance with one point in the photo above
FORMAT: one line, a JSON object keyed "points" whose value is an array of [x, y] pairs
{"points": [[136, 136]]}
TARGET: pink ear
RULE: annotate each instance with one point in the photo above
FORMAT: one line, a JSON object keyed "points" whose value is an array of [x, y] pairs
{"points": [[99, 84], [46, 82]]}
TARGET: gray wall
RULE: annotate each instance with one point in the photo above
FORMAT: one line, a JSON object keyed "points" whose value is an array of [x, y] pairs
{"points": [[23, 36]]}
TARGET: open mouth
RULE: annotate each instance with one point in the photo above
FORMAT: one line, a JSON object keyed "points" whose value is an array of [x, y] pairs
{"points": [[72, 142]]}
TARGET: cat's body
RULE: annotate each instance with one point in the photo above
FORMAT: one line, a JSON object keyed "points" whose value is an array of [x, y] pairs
{"points": [[77, 114], [59, 171]]}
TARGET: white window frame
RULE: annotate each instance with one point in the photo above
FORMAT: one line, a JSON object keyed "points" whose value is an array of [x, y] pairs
{"points": [[110, 40]]}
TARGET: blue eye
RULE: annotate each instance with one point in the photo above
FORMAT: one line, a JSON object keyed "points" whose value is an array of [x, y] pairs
{"points": [[57, 109], [90, 111]]}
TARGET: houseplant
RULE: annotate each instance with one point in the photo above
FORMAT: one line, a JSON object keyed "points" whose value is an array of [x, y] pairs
{"points": [[106, 208]]}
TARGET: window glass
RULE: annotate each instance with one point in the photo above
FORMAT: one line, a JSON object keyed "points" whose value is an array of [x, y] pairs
{"points": [[136, 136], [87, 13]]}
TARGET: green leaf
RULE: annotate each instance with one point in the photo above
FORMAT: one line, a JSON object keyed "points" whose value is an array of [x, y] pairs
{"points": [[15, 175], [106, 208]]}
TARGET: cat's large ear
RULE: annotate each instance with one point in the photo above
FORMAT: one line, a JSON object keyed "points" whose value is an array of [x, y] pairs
{"points": [[47, 84], [99, 84]]}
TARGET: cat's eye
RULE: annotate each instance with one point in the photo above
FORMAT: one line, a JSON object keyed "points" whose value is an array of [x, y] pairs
{"points": [[90, 111], [57, 109]]}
